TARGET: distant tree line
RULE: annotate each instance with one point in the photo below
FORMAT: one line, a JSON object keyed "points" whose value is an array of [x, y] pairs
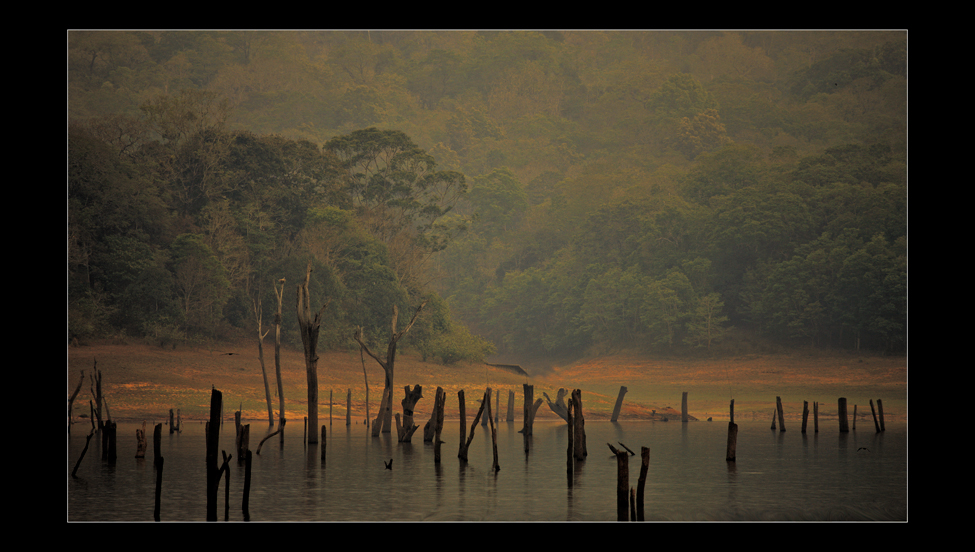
{"points": [[545, 192]]}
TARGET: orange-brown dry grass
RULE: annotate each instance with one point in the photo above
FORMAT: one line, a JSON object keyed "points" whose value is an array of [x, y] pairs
{"points": [[142, 382]]}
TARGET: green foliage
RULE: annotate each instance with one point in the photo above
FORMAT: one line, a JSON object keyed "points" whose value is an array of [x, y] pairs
{"points": [[650, 189]]}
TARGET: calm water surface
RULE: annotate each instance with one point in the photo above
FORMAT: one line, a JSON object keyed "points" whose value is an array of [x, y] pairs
{"points": [[778, 476]]}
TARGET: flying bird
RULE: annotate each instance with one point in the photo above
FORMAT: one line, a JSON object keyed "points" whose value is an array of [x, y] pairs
{"points": [[863, 448], [389, 465]]}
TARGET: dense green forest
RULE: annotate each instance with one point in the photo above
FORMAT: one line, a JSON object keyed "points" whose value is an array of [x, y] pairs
{"points": [[546, 193]]}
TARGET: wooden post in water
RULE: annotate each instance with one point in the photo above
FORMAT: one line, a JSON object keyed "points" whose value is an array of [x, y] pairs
{"points": [[683, 407], [816, 416], [880, 407], [212, 443], [773, 420], [778, 407], [157, 462], [579, 425], [805, 415], [141, 443], [622, 482], [463, 422], [529, 399], [569, 449], [466, 445], [224, 468], [245, 443], [348, 408], [619, 403], [511, 406], [876, 424], [323, 444], [245, 505], [74, 472], [642, 482], [440, 400], [172, 424], [732, 449], [841, 412], [494, 434], [854, 417]]}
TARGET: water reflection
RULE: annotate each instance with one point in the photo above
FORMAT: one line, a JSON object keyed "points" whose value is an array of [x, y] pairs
{"points": [[777, 475]]}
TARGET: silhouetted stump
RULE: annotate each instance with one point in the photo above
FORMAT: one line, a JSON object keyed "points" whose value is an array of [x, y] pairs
{"points": [[619, 403], [841, 412]]}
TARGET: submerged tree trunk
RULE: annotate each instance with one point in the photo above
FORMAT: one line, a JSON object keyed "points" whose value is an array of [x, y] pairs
{"points": [[580, 426], [310, 325], [388, 365], [406, 430], [619, 404]]}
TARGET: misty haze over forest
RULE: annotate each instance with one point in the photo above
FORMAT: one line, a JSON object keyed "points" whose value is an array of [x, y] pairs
{"points": [[547, 193]]}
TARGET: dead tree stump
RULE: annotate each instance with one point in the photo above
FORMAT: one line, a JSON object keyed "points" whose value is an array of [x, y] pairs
{"points": [[642, 482], [569, 449], [805, 415], [141, 442], [778, 408], [619, 404], [732, 450], [622, 482], [440, 401], [405, 431], [212, 443], [494, 434], [579, 424], [466, 445], [462, 406], [841, 412], [876, 424]]}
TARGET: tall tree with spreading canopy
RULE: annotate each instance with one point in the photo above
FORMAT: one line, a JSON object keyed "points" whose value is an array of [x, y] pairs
{"points": [[400, 195]]}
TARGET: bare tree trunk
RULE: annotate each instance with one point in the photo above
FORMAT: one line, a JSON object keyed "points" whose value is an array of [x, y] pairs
{"points": [[466, 445], [463, 422], [580, 426], [494, 434], [277, 367], [141, 442], [388, 365], [440, 400], [212, 443], [377, 424], [365, 377], [619, 403], [259, 315], [405, 432], [310, 325]]}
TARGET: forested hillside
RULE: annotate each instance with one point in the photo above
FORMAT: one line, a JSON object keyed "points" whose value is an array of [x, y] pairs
{"points": [[545, 192]]}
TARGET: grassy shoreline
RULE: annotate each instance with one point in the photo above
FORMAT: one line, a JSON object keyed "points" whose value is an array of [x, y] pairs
{"points": [[142, 382]]}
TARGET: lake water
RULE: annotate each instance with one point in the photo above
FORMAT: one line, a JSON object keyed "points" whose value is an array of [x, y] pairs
{"points": [[778, 476]]}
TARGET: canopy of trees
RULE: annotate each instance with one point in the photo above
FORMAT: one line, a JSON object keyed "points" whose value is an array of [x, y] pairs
{"points": [[543, 192]]}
